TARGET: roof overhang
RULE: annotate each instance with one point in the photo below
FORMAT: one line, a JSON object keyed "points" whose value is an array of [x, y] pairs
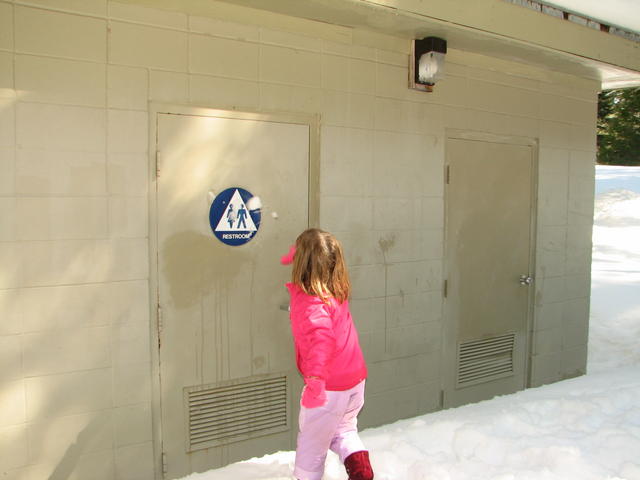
{"points": [[495, 28]]}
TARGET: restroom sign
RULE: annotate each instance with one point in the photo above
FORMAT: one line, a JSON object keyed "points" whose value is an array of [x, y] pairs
{"points": [[231, 220]]}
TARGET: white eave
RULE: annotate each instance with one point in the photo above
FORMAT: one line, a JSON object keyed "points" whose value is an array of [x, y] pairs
{"points": [[489, 27], [496, 28]]}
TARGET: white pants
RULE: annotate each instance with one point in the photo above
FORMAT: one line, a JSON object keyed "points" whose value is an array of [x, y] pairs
{"points": [[333, 426]]}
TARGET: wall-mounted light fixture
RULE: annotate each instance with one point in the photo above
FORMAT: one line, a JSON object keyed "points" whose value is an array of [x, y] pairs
{"points": [[427, 63]]}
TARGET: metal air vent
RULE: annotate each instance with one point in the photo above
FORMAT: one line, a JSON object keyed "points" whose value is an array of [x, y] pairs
{"points": [[485, 360], [236, 410]]}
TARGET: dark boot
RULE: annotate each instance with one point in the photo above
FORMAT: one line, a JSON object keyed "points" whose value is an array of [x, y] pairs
{"points": [[358, 466]]}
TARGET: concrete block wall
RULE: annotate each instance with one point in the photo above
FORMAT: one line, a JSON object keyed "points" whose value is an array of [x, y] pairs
{"points": [[75, 81]]}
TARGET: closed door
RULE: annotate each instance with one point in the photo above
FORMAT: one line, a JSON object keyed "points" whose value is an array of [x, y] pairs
{"points": [[488, 265], [225, 349]]}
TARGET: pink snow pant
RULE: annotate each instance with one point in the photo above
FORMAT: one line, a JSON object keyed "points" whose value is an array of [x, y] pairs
{"points": [[333, 426]]}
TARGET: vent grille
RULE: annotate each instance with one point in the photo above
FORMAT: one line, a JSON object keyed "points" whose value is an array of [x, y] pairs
{"points": [[236, 411], [481, 361]]}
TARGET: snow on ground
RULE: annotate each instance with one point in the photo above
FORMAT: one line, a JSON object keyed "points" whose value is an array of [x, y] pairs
{"points": [[586, 428]]}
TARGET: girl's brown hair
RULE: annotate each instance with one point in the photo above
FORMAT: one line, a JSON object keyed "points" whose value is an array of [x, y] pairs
{"points": [[318, 266]]}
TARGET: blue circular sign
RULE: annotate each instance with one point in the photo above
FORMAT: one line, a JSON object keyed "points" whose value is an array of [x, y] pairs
{"points": [[231, 219]]}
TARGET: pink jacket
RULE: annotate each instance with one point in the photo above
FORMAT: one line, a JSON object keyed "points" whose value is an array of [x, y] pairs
{"points": [[326, 340]]}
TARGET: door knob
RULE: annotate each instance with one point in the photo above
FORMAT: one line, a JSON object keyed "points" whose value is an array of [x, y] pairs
{"points": [[526, 280]]}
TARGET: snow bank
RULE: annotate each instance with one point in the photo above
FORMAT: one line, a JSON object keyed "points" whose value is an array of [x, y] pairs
{"points": [[586, 428]]}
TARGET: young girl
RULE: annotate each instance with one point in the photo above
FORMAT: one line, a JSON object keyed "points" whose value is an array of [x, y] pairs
{"points": [[328, 357]]}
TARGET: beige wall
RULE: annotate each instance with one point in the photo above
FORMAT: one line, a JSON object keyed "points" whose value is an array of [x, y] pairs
{"points": [[75, 79]]}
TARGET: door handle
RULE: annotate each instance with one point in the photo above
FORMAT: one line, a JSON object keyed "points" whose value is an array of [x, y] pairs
{"points": [[285, 307], [526, 280]]}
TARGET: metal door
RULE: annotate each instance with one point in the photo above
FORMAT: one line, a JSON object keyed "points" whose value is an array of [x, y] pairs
{"points": [[225, 349], [488, 263]]}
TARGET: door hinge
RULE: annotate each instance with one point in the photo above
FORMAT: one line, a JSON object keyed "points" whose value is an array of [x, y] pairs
{"points": [[157, 163], [447, 175], [441, 399], [160, 325], [165, 469], [446, 288]]}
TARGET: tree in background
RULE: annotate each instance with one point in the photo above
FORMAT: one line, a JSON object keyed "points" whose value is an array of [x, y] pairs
{"points": [[619, 127]]}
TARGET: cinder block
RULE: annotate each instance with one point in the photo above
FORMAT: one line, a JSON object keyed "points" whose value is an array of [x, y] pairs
{"points": [[578, 286], [93, 7], [368, 314], [132, 425], [338, 213], [346, 154], [335, 108], [222, 28], [11, 274], [10, 312], [128, 131], [555, 134], [13, 445], [53, 80], [280, 98], [576, 311], [395, 213], [134, 462], [396, 165], [131, 384], [7, 122], [130, 343], [362, 74], [367, 281], [8, 167], [127, 88], [46, 32], [553, 199], [406, 341], [61, 218], [6, 75], [290, 40], [335, 72], [127, 174], [414, 277], [128, 217], [12, 399], [223, 57], [54, 127], [168, 86], [11, 358], [50, 438], [128, 302], [8, 219], [64, 307], [68, 394], [411, 309], [224, 92], [574, 362], [432, 213], [547, 341], [289, 66], [550, 290], [546, 369], [147, 15], [361, 111], [391, 81], [6, 26], [144, 46], [63, 351], [128, 259], [361, 247], [60, 173]]}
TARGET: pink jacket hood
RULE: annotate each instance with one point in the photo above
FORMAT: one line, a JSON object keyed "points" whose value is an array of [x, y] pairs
{"points": [[326, 340]]}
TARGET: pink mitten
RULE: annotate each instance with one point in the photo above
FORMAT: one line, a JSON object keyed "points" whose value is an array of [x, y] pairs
{"points": [[313, 394], [288, 258]]}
